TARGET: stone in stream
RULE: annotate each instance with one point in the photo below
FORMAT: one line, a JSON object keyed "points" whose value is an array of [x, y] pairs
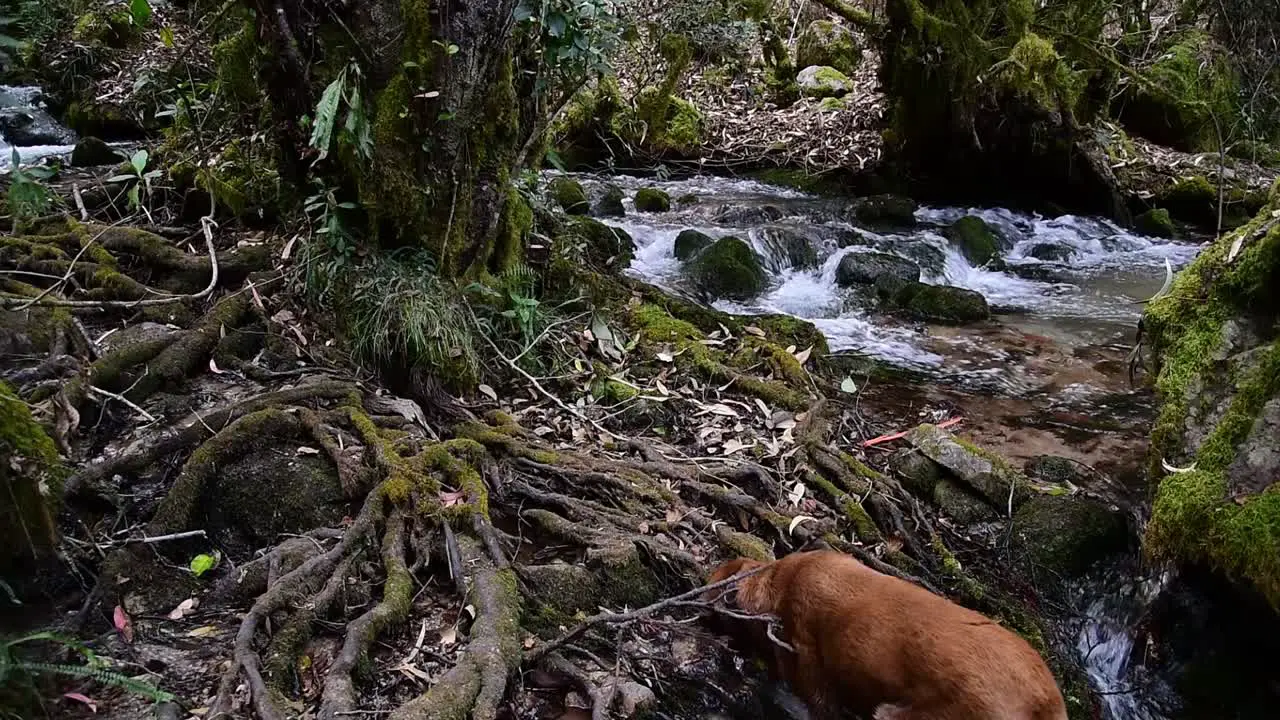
{"points": [[1067, 534], [746, 215], [929, 480], [787, 249], [728, 268], [609, 204], [93, 152], [942, 304], [652, 200], [1051, 252], [975, 239], [864, 268], [823, 81], [569, 195], [691, 242], [885, 211], [1155, 223], [984, 472], [30, 126], [606, 246]]}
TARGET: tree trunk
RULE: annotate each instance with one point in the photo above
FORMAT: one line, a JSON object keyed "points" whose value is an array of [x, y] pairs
{"points": [[437, 86]]}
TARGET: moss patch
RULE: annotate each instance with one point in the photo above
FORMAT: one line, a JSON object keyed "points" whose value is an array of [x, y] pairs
{"points": [[33, 474], [652, 200], [728, 268], [975, 239]]}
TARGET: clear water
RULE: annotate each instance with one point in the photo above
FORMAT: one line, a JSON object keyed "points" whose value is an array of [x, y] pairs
{"points": [[25, 97], [1091, 298]]}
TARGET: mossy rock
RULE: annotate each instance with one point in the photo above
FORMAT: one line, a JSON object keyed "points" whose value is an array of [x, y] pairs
{"points": [[820, 81], [832, 104], [32, 473], [1054, 470], [864, 268], [728, 268], [975, 239], [960, 504], [569, 195], [606, 246], [609, 204], [111, 27], [1192, 86], [786, 249], [932, 303], [664, 122], [885, 211], [979, 470], [918, 474], [826, 43], [1068, 534], [691, 242], [652, 200], [1155, 223], [1051, 252], [93, 152], [1193, 199]]}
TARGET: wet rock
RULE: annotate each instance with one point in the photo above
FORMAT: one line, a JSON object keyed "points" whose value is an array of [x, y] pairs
{"points": [[728, 268], [569, 195], [1038, 273], [690, 243], [885, 211], [1054, 470], [918, 474], [687, 199], [1155, 223], [92, 152], [247, 512], [787, 249], [1050, 252], [984, 472], [609, 204], [960, 504], [746, 215], [975, 239], [632, 698], [563, 588], [852, 238], [932, 303], [930, 258], [825, 43], [864, 268], [823, 81], [29, 126], [1067, 534], [606, 246], [652, 200]]}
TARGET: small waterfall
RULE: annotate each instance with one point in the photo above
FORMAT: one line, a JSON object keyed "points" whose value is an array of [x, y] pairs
{"points": [[1106, 646]]}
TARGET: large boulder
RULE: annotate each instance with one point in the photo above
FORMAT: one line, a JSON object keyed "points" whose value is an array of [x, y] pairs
{"points": [[652, 200], [825, 43], [92, 152], [786, 249], [864, 268], [30, 126], [1186, 94], [606, 246], [884, 211], [1067, 534], [691, 242], [609, 203], [1155, 223], [975, 239], [821, 81], [932, 303], [569, 195], [728, 268], [1215, 445]]}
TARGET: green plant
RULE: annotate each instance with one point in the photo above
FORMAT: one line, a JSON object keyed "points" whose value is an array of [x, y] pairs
{"points": [[20, 676], [28, 195], [355, 132], [140, 12], [138, 178], [333, 250]]}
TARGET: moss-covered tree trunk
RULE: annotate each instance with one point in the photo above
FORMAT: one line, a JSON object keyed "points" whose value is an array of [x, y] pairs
{"points": [[437, 90]]}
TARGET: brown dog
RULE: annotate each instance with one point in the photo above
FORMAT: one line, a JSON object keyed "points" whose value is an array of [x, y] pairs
{"points": [[884, 648]]}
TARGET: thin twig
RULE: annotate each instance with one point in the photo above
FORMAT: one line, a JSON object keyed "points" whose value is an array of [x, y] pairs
{"points": [[84, 212], [123, 399], [173, 536]]}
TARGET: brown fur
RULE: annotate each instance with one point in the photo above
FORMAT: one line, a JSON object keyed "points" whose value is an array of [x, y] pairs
{"points": [[884, 648]]}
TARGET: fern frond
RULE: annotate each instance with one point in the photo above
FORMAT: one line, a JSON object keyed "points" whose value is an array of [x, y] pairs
{"points": [[102, 676]]}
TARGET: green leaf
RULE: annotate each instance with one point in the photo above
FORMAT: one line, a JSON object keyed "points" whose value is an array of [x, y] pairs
{"points": [[166, 36], [139, 161], [204, 562], [140, 11], [556, 24], [556, 161], [849, 386], [121, 178], [451, 49], [327, 115], [134, 201]]}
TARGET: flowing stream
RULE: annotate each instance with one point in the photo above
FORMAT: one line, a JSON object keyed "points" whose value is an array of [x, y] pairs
{"points": [[27, 127], [1077, 281]]}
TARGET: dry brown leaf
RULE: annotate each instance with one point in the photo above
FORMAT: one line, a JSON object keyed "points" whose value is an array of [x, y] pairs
{"points": [[490, 392]]}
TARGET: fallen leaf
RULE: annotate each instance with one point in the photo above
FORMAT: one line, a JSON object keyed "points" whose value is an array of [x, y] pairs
{"points": [[413, 671], [791, 349], [203, 631], [449, 499], [488, 391], [83, 699], [304, 450], [661, 388], [764, 409], [665, 357], [288, 248], [722, 409], [849, 386], [213, 367], [754, 330], [186, 607], [795, 521], [449, 637], [734, 445], [673, 515], [803, 356], [124, 625]]}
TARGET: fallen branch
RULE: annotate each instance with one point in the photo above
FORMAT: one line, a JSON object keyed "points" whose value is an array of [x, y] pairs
{"points": [[899, 435], [122, 399]]}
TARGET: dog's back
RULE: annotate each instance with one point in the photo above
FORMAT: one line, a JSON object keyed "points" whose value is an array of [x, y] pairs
{"points": [[874, 644]]}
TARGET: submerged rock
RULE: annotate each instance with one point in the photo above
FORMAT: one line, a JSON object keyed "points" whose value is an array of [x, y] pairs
{"points": [[933, 303], [609, 204], [691, 242], [569, 195], [746, 214], [787, 249], [728, 268], [652, 200], [823, 81], [975, 239], [92, 152], [885, 211], [825, 43], [985, 473], [1067, 534], [864, 268]]}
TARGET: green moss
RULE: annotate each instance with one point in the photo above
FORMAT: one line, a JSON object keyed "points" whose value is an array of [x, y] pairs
{"points": [[691, 242], [1034, 69], [975, 238], [243, 177], [743, 545], [1155, 223], [652, 200], [1189, 87], [109, 26], [33, 473], [684, 127], [603, 246], [825, 43], [236, 60], [728, 268], [569, 195]]}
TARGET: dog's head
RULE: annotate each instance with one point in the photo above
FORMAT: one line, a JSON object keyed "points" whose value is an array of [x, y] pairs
{"points": [[731, 568]]}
